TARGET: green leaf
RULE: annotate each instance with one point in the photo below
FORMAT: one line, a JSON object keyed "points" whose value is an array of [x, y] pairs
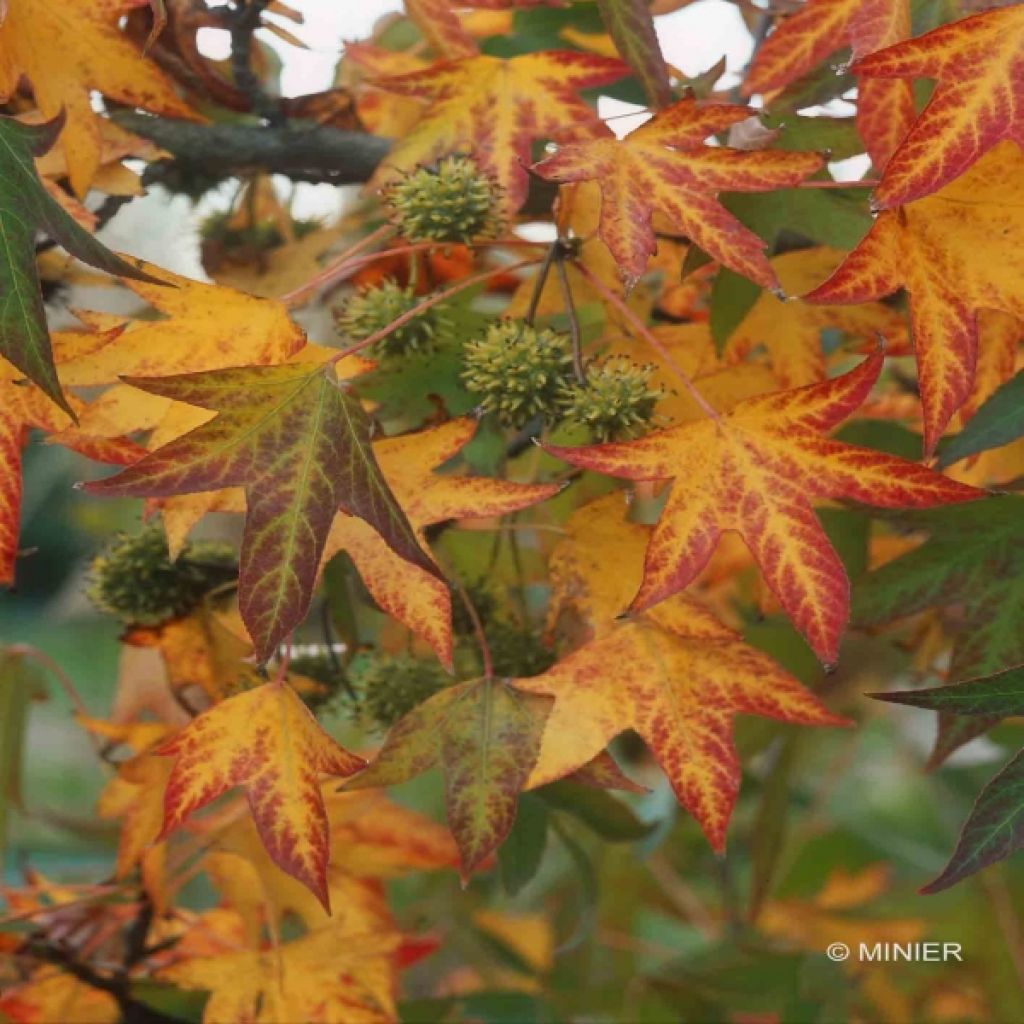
{"points": [[993, 830], [300, 446], [610, 818], [25, 208], [836, 217], [974, 557], [631, 27], [732, 298], [486, 738], [1001, 694], [999, 421], [519, 857], [836, 136], [974, 560]]}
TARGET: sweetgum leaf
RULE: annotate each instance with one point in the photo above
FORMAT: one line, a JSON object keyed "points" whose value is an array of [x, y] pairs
{"points": [[300, 446], [25, 208], [994, 829], [999, 421]]}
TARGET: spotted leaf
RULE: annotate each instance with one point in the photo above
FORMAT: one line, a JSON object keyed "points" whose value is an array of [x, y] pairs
{"points": [[266, 741]]}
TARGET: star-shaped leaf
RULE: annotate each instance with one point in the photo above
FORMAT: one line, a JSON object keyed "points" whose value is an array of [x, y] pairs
{"points": [[494, 109], [803, 39], [266, 741], [675, 674], [664, 167], [756, 471], [956, 253], [485, 736], [301, 448], [978, 65]]}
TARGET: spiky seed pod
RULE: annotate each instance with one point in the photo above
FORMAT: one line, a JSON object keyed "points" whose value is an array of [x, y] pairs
{"points": [[517, 652], [451, 202], [372, 309], [617, 402], [135, 579], [389, 686], [517, 371]]}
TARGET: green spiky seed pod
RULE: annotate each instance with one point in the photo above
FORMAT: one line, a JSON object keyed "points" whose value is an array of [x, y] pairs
{"points": [[372, 309], [389, 686], [135, 579], [517, 652], [451, 202], [517, 371], [617, 402]]}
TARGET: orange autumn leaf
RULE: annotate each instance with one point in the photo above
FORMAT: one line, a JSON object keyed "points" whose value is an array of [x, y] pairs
{"points": [[495, 109], [665, 167], [24, 407], [674, 674], [931, 248], [755, 471], [329, 976], [790, 330], [66, 50], [679, 691], [203, 327], [420, 601], [266, 741], [978, 67], [818, 28]]}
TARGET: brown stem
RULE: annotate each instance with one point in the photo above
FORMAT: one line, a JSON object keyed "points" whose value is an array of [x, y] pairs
{"points": [[638, 325], [574, 323]]}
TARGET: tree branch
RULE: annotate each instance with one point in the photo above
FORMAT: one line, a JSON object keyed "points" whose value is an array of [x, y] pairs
{"points": [[302, 150]]}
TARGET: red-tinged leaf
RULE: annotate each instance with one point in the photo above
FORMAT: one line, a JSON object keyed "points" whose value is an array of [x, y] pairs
{"points": [[679, 690], [664, 167], [631, 26], [266, 741], [495, 109], [818, 28], [337, 974], [301, 448], [756, 470], [486, 737], [994, 829], [24, 407], [978, 65], [417, 598], [441, 28], [956, 253]]}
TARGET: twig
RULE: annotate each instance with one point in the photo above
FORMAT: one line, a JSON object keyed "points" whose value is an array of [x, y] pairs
{"points": [[244, 22], [574, 323], [538, 285], [55, 670], [432, 300], [328, 275], [609, 296], [478, 626]]}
